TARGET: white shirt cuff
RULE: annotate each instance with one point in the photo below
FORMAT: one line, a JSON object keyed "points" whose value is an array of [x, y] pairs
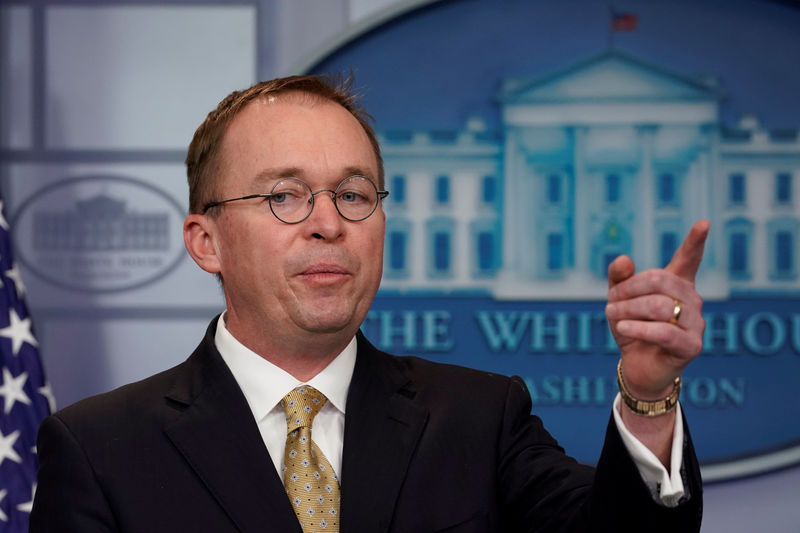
{"points": [[665, 487]]}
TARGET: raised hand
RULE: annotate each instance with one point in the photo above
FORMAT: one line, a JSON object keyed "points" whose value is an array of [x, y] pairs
{"points": [[656, 317]]}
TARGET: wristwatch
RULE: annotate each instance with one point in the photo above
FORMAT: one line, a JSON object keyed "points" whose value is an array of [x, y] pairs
{"points": [[645, 408]]}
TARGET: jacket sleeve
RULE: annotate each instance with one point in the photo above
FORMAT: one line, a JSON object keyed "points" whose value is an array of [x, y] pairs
{"points": [[622, 501], [544, 490], [68, 496]]}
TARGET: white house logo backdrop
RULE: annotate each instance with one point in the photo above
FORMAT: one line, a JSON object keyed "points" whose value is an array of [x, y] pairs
{"points": [[100, 233], [525, 150]]}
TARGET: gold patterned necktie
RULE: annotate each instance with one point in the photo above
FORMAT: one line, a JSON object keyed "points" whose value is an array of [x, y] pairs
{"points": [[311, 484]]}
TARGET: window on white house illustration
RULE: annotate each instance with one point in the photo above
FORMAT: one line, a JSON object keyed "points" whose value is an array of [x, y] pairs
{"points": [[784, 253], [669, 243], [555, 251], [489, 189], [442, 192], [783, 188], [666, 189], [554, 189], [737, 189], [397, 250], [485, 251], [737, 254], [612, 188], [398, 190], [441, 251]]}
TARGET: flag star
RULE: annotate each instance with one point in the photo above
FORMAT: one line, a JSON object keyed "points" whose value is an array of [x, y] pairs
{"points": [[26, 507], [11, 389], [19, 331], [7, 450], [3, 222], [16, 277], [47, 392], [3, 516]]}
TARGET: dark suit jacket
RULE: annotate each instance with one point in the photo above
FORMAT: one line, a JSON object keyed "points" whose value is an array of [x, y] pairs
{"points": [[427, 447]]}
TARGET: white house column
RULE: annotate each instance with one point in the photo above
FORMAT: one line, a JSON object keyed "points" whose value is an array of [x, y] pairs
{"points": [[511, 233], [582, 207], [644, 239], [463, 210], [417, 187]]}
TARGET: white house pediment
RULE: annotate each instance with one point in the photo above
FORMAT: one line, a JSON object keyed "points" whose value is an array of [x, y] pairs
{"points": [[608, 77]]}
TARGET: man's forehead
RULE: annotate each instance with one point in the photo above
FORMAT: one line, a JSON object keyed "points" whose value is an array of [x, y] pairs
{"points": [[270, 122], [268, 110]]}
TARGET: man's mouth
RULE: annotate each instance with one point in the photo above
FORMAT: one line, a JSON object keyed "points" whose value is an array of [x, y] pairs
{"points": [[324, 272]]}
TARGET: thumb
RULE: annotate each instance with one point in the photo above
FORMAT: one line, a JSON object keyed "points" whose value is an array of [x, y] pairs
{"points": [[620, 269]]}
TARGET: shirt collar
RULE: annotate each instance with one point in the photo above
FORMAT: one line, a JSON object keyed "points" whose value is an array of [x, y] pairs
{"points": [[265, 384]]}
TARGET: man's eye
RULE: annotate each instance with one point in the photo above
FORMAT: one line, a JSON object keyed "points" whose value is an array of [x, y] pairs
{"points": [[351, 197], [283, 197]]}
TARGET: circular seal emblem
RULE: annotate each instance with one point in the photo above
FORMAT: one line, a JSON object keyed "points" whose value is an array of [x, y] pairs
{"points": [[100, 233]]}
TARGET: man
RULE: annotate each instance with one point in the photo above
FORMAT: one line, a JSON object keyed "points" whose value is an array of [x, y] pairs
{"points": [[286, 182]]}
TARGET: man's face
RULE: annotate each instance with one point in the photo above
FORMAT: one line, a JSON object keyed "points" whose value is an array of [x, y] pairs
{"points": [[317, 276]]}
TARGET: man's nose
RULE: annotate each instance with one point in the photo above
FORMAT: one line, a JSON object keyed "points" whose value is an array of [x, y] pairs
{"points": [[325, 221]]}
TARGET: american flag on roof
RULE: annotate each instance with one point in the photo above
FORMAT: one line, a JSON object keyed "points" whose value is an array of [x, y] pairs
{"points": [[25, 396], [624, 21]]}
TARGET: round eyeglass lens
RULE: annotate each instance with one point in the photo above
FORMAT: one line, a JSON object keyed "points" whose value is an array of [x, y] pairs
{"points": [[356, 198], [290, 200]]}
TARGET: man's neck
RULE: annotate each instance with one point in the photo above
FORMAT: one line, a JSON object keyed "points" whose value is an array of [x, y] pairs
{"points": [[303, 355]]}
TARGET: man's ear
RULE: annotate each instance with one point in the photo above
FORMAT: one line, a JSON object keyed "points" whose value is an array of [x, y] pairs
{"points": [[198, 231]]}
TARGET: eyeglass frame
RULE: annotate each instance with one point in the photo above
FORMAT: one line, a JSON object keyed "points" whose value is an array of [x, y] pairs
{"points": [[380, 195]]}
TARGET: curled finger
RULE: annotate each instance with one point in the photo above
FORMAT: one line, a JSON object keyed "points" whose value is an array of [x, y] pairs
{"points": [[680, 343]]}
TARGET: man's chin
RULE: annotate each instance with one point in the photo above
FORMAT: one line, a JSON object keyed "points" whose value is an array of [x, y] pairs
{"points": [[330, 323], [329, 315]]}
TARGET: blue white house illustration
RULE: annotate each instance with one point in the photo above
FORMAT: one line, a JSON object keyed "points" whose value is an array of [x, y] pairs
{"points": [[612, 155]]}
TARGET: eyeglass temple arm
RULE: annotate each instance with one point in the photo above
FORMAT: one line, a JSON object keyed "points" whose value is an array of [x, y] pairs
{"points": [[248, 197]]}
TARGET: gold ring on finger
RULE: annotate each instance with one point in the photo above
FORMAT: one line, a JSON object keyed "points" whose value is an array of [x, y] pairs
{"points": [[676, 311]]}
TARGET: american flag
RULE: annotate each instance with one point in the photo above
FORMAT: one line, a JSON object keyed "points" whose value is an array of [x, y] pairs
{"points": [[624, 21], [26, 396]]}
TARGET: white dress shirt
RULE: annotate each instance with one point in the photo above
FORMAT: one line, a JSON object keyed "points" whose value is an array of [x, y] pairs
{"points": [[264, 385]]}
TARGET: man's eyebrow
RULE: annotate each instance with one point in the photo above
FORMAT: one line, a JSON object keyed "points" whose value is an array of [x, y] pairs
{"points": [[352, 171], [272, 174]]}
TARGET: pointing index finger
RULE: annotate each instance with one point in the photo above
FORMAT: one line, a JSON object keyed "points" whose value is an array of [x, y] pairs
{"points": [[687, 258]]}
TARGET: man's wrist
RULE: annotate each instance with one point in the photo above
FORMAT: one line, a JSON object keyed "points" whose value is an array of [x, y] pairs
{"points": [[645, 407]]}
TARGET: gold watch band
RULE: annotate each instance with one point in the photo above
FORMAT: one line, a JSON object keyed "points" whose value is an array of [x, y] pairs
{"points": [[645, 408]]}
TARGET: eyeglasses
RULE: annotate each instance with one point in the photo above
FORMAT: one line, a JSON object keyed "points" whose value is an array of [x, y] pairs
{"points": [[291, 200]]}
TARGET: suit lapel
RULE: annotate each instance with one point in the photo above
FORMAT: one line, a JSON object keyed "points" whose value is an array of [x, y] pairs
{"points": [[382, 428], [220, 440]]}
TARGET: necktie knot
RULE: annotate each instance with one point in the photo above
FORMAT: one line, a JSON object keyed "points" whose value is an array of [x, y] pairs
{"points": [[301, 406]]}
